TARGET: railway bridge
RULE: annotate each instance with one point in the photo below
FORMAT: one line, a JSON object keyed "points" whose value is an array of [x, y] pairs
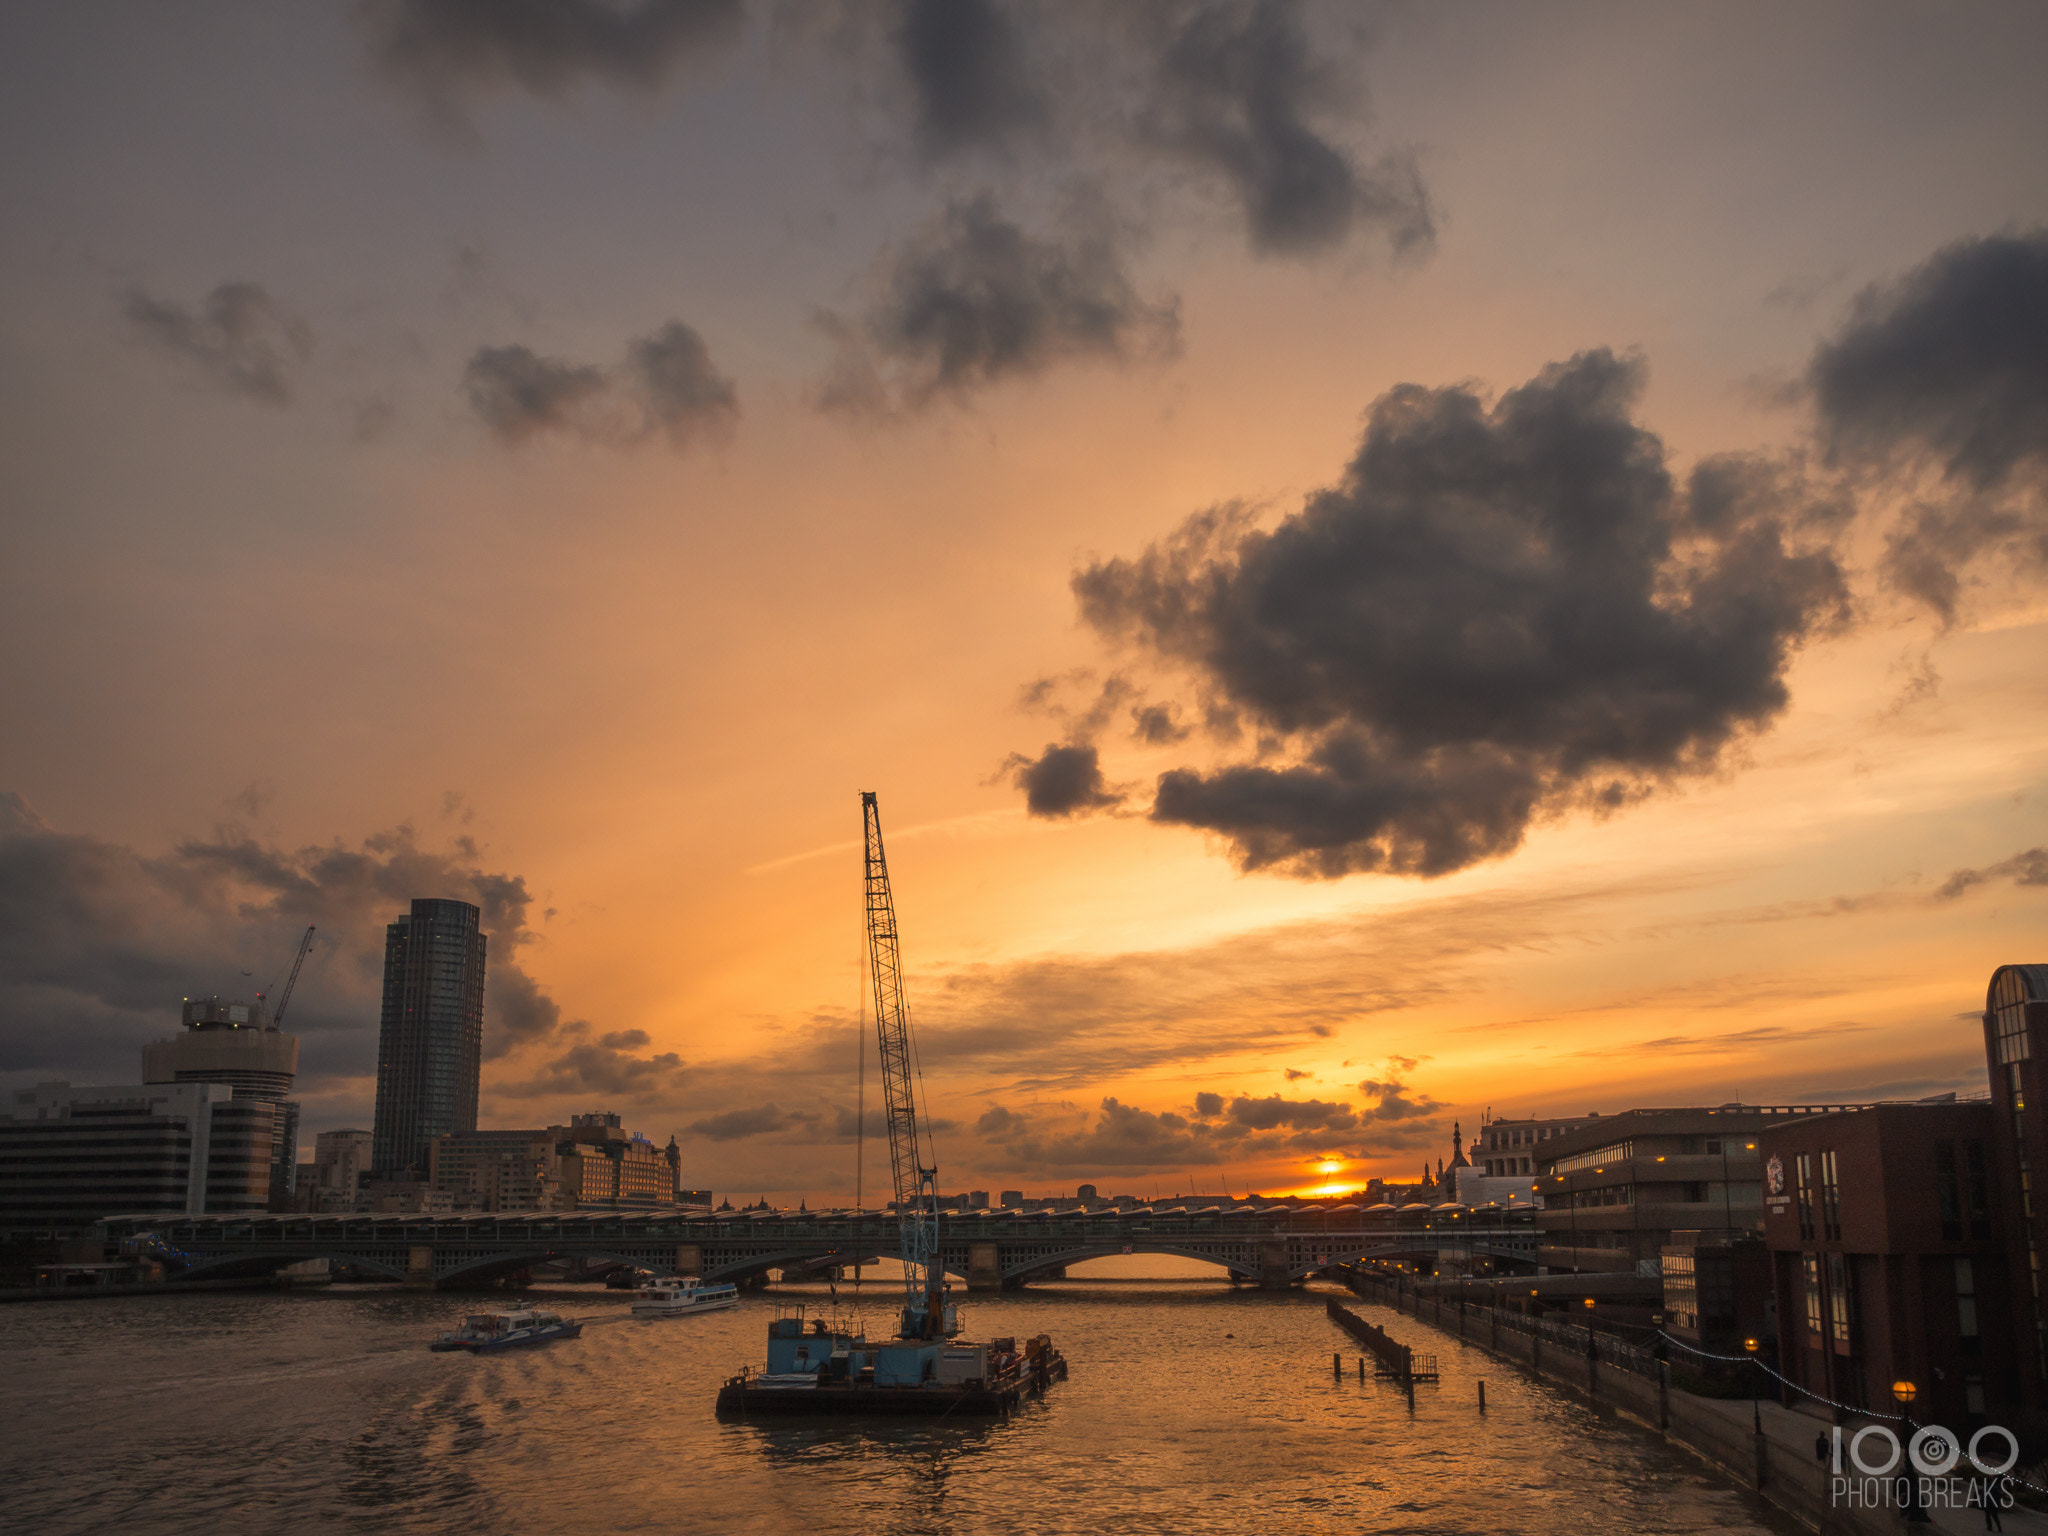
{"points": [[1272, 1246]]}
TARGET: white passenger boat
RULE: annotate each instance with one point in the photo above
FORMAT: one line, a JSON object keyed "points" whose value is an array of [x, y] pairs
{"points": [[674, 1296], [507, 1330]]}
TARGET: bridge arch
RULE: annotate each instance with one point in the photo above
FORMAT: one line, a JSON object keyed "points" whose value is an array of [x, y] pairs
{"points": [[1036, 1264]]}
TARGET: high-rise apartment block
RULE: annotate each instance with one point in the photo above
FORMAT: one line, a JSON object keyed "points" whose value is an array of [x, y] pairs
{"points": [[430, 1040], [235, 1044]]}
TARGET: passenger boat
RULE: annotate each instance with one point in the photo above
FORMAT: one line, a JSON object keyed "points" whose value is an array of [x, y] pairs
{"points": [[675, 1295], [507, 1330]]}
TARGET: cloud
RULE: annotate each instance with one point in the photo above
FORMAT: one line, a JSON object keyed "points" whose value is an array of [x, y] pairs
{"points": [[448, 49], [1274, 1112], [972, 299], [1062, 781], [1158, 725], [2028, 868], [604, 1066], [1391, 1101], [518, 394], [738, 1124], [667, 384], [1944, 372], [1208, 1105], [1295, 1074], [1236, 92], [1123, 1137], [684, 394], [99, 943], [1497, 614], [240, 338], [1735, 1040], [999, 1121], [969, 77]]}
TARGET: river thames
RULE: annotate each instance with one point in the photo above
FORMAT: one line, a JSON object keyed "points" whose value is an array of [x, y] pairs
{"points": [[1191, 1408]]}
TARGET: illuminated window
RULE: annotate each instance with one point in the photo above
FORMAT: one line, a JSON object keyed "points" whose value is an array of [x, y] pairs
{"points": [[1813, 1324], [1802, 1175]]}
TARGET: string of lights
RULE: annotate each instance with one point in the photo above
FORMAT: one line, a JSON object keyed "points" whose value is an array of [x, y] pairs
{"points": [[1896, 1418]]}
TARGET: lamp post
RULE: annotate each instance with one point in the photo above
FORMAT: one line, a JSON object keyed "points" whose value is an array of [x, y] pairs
{"points": [[1756, 1416], [1903, 1393]]}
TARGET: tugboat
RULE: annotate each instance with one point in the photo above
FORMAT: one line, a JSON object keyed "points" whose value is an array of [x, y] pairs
{"points": [[825, 1366], [677, 1294], [507, 1330]]}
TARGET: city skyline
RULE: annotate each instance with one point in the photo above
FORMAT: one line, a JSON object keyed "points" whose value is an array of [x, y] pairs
{"points": [[557, 486]]}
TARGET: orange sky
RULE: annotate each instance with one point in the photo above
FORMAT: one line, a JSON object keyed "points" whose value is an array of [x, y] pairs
{"points": [[651, 680]]}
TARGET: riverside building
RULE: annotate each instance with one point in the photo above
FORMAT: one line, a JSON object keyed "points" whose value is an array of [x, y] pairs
{"points": [[69, 1156], [235, 1044], [430, 1035]]}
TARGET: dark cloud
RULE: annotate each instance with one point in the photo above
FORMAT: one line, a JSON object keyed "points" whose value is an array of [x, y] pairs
{"points": [[1498, 613], [1391, 1101], [999, 1121], [1158, 725], [518, 393], [1946, 372], [99, 943], [603, 1066], [1274, 1112], [667, 384], [239, 338], [1208, 1105], [446, 49], [684, 394], [738, 1124], [1123, 1137], [972, 298], [969, 75], [1062, 781], [2028, 868], [1238, 91], [1295, 1074]]}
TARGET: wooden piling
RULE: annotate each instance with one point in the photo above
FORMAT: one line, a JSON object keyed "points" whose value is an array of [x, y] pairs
{"points": [[1482, 1397]]}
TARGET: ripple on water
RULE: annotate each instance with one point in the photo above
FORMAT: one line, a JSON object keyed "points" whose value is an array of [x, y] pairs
{"points": [[1191, 1409]]}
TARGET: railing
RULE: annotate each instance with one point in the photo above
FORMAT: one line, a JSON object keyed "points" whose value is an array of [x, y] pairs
{"points": [[1585, 1339]]}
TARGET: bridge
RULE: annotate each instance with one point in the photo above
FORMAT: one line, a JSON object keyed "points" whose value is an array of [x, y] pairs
{"points": [[1271, 1246]]}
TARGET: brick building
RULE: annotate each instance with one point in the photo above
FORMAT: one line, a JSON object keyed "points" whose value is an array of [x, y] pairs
{"points": [[1888, 1260]]}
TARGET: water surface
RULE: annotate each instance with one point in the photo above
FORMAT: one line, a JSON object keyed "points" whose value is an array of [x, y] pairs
{"points": [[1191, 1408]]}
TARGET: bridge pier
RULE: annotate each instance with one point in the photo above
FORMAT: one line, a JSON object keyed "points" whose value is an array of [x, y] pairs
{"points": [[419, 1268], [1273, 1269], [984, 1267], [689, 1258]]}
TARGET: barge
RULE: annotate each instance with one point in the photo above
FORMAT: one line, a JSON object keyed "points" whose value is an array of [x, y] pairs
{"points": [[824, 1366]]}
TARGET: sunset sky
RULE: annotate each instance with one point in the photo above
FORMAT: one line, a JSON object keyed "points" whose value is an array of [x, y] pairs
{"points": [[1384, 562]]}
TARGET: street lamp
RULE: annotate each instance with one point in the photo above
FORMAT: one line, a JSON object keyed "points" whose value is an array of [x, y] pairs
{"points": [[1756, 1414]]}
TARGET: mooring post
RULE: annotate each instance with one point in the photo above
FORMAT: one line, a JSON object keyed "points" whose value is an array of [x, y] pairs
{"points": [[1482, 1397], [1361, 1367], [1337, 1364]]}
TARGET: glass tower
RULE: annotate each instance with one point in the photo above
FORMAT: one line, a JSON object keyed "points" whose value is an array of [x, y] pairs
{"points": [[430, 1041]]}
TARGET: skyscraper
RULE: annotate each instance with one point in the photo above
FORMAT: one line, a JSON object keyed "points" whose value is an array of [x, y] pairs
{"points": [[430, 1040]]}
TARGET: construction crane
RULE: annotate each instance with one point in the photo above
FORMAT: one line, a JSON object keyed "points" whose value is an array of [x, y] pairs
{"points": [[925, 1315], [305, 943]]}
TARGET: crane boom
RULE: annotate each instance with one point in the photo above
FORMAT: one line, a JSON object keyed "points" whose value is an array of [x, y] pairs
{"points": [[305, 943], [915, 1182]]}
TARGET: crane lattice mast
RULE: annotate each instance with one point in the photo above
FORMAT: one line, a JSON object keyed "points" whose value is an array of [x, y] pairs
{"points": [[277, 1013], [916, 1183]]}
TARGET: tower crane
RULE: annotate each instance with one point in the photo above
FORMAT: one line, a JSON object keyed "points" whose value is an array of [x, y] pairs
{"points": [[305, 943], [925, 1314]]}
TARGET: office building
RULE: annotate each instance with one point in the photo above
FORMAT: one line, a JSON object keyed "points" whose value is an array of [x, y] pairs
{"points": [[235, 1044], [70, 1156], [339, 1171], [592, 1163], [1616, 1188], [430, 1037], [1888, 1260], [1513, 1149]]}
